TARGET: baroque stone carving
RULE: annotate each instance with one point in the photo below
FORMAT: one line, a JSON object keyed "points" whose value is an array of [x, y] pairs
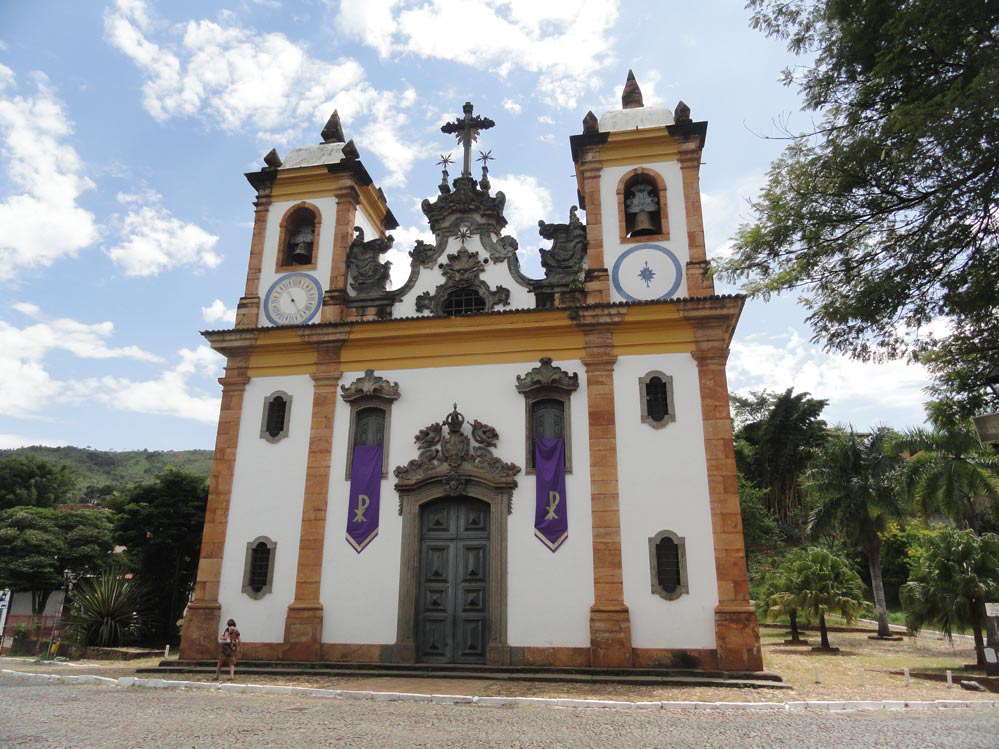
{"points": [[448, 453], [546, 376], [370, 385], [466, 199], [564, 261], [368, 275], [462, 271]]}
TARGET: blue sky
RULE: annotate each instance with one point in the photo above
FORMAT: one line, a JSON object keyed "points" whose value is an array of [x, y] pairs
{"points": [[126, 126]]}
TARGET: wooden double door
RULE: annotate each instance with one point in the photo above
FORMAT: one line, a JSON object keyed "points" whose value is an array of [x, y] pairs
{"points": [[453, 606]]}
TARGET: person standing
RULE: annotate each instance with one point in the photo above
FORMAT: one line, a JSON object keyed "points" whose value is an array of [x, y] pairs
{"points": [[229, 648]]}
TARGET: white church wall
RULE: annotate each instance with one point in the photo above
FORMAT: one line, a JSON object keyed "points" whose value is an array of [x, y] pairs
{"points": [[614, 249], [549, 595], [662, 480], [267, 493], [323, 253]]}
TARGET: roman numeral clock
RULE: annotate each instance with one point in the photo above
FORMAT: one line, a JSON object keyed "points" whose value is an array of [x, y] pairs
{"points": [[293, 299]]}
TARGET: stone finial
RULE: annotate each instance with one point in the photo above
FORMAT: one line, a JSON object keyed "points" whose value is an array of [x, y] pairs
{"points": [[272, 159], [590, 124], [631, 97], [350, 150], [681, 113], [333, 132]]}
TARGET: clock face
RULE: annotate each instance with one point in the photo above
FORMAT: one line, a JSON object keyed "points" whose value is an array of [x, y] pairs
{"points": [[293, 299], [646, 272]]}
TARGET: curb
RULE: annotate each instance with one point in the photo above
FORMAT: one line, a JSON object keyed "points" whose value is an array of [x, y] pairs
{"points": [[462, 699]]}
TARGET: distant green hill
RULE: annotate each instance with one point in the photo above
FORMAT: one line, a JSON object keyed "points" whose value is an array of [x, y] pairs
{"points": [[99, 473]]}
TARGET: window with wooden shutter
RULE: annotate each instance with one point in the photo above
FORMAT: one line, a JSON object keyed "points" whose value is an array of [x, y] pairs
{"points": [[668, 565], [655, 391], [258, 568], [277, 413]]}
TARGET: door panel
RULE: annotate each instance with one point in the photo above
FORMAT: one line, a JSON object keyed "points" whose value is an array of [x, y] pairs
{"points": [[453, 618]]}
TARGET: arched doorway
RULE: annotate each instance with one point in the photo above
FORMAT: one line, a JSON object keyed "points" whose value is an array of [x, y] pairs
{"points": [[453, 601]]}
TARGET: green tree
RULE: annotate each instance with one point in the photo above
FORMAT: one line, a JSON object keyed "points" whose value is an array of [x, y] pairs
{"points": [[160, 524], [760, 528], [883, 211], [949, 471], [39, 545], [853, 483], [823, 583], [108, 608], [953, 577], [26, 481], [777, 597], [775, 451]]}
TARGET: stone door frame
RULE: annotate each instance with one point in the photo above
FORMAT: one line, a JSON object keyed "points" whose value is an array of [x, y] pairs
{"points": [[411, 498]]}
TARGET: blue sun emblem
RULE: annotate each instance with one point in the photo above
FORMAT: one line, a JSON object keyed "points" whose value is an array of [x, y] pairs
{"points": [[647, 274]]}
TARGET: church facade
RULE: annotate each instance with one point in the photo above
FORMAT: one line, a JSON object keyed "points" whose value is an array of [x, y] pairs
{"points": [[480, 466]]}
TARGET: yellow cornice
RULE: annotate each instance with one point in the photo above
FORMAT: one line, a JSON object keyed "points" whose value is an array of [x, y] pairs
{"points": [[640, 146]]}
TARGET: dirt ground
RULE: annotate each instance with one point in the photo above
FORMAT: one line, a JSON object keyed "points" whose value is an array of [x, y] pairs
{"points": [[857, 672]]}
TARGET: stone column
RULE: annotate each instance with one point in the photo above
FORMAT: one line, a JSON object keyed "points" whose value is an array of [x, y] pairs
{"points": [[597, 277], [699, 283], [201, 622], [335, 297], [248, 309], [737, 632], [303, 626], [610, 620]]}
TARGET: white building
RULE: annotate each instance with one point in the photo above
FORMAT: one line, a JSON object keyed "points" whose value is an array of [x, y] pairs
{"points": [[616, 359]]}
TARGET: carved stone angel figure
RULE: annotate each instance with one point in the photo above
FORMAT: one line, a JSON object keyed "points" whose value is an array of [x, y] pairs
{"points": [[368, 275], [564, 261]]}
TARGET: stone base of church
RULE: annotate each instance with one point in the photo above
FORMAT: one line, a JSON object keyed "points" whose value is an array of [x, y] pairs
{"points": [[201, 631], [610, 637], [303, 632], [737, 635]]}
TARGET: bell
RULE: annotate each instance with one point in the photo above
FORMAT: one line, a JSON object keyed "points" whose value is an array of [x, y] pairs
{"points": [[643, 225], [302, 254]]}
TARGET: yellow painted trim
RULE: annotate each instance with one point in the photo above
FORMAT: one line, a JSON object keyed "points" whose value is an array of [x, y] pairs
{"points": [[638, 147], [473, 341], [316, 182]]}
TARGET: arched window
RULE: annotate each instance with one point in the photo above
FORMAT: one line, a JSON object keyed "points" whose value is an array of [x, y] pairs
{"points": [[655, 392], [298, 239], [462, 302], [277, 413], [258, 570], [668, 565], [370, 398], [641, 206], [547, 390]]}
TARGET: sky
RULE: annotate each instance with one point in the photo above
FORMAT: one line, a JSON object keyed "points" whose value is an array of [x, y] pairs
{"points": [[126, 127]]}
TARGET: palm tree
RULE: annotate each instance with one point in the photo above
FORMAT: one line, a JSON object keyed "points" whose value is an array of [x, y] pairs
{"points": [[776, 598], [949, 471], [852, 479], [822, 583], [952, 578]]}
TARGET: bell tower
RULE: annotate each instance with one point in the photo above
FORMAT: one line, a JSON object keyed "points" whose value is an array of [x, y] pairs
{"points": [[637, 173]]}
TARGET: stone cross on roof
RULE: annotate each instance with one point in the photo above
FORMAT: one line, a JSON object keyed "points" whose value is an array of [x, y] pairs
{"points": [[467, 130]]}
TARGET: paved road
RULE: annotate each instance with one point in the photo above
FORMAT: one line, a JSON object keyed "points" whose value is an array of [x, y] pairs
{"points": [[91, 716]]}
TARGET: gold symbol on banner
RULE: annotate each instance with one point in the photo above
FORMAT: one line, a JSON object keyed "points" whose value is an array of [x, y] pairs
{"points": [[362, 504], [553, 500]]}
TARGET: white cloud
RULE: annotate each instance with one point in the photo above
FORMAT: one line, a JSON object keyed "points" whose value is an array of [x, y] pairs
{"points": [[42, 221], [527, 202], [218, 312], [170, 394], [405, 239], [12, 441], [546, 120], [151, 240], [497, 35], [547, 138], [512, 106], [725, 209], [27, 386], [779, 361], [236, 78], [27, 308]]}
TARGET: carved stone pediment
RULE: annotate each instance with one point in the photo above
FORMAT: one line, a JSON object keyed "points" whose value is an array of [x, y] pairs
{"points": [[368, 275], [466, 199], [546, 376], [462, 271], [448, 454], [370, 386], [564, 261]]}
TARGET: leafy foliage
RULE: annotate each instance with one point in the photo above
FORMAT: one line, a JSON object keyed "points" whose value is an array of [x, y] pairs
{"points": [[760, 528], [952, 578], [100, 473], [949, 471], [884, 213], [852, 480], [107, 609], [39, 545], [26, 481], [160, 524], [773, 452]]}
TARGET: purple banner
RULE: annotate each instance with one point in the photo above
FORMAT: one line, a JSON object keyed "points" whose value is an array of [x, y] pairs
{"points": [[551, 517], [365, 491]]}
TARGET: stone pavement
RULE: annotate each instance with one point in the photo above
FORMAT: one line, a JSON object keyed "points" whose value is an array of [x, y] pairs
{"points": [[61, 715]]}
